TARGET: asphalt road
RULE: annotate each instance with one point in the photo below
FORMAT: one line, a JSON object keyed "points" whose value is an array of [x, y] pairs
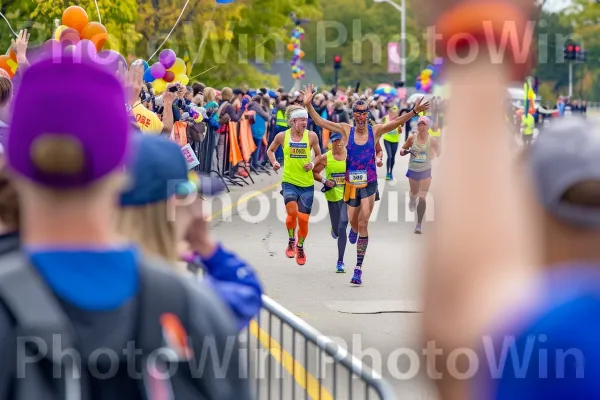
{"points": [[377, 322]]}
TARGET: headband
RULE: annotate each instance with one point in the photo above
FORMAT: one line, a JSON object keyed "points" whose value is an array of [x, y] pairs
{"points": [[300, 113]]}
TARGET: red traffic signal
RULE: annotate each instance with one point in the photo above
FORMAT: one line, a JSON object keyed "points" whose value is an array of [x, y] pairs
{"points": [[577, 48], [337, 59], [570, 47]]}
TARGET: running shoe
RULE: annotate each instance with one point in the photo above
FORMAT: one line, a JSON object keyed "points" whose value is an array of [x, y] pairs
{"points": [[356, 278], [290, 251], [333, 234], [352, 236], [388, 177], [340, 267], [300, 256], [418, 229], [412, 204], [391, 177]]}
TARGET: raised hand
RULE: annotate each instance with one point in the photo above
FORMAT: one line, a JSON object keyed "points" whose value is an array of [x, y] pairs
{"points": [[421, 107], [19, 45], [307, 94]]}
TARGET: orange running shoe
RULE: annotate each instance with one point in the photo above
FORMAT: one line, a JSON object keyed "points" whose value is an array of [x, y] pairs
{"points": [[290, 251], [300, 255]]}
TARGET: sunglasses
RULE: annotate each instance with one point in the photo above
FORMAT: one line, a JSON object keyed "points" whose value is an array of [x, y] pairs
{"points": [[360, 111]]}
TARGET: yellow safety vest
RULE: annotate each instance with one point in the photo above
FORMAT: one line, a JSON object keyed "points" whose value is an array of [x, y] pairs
{"points": [[528, 124], [435, 133], [280, 119]]}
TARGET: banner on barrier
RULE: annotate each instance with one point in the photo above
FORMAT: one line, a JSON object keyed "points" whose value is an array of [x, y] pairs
{"points": [[190, 156]]}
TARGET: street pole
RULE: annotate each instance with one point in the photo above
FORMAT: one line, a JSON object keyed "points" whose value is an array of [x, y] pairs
{"points": [[403, 41], [570, 79], [335, 74]]}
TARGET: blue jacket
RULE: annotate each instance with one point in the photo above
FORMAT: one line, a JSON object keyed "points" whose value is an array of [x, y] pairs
{"points": [[235, 282]]}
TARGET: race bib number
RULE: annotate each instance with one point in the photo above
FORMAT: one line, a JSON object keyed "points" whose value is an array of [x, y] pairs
{"points": [[298, 150], [339, 178], [421, 157], [358, 177]]}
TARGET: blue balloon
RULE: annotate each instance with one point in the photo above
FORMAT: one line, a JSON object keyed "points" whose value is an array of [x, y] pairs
{"points": [[143, 62], [148, 76]]}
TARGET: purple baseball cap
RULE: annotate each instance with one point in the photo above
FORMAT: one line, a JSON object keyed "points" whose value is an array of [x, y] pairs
{"points": [[78, 101]]}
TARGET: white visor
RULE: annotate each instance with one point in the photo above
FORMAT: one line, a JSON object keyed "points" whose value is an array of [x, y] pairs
{"points": [[300, 113]]}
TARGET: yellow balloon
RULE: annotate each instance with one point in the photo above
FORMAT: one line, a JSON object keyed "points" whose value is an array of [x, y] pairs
{"points": [[179, 67], [159, 85], [58, 31], [12, 65], [183, 79]]}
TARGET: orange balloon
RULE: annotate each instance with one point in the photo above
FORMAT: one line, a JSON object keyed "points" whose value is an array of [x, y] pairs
{"points": [[13, 55], [75, 17], [96, 33], [4, 65]]}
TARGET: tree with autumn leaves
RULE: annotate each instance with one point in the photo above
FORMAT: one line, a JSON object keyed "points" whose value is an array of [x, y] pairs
{"points": [[222, 41]]}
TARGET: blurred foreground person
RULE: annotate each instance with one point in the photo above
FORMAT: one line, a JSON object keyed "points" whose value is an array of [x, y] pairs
{"points": [[557, 334], [76, 289], [483, 255], [162, 211]]}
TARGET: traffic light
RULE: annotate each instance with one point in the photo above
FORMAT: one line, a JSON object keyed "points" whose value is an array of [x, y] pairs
{"points": [[337, 62], [570, 54], [574, 52]]}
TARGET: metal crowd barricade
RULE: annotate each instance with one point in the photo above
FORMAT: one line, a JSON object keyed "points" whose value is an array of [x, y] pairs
{"points": [[289, 359], [206, 153]]}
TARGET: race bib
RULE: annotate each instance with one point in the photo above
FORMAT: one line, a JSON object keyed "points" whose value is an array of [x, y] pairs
{"points": [[358, 177], [298, 150], [421, 157], [339, 178]]}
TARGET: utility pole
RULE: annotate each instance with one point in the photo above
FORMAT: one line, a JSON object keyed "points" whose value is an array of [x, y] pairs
{"points": [[570, 78], [337, 64]]}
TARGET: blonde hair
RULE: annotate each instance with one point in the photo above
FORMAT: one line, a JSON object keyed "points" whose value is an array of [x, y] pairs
{"points": [[6, 89], [291, 109], [210, 94], [149, 227], [9, 202], [227, 94]]}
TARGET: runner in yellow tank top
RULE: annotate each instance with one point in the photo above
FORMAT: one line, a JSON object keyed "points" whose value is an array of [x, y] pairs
{"points": [[390, 141], [334, 164], [297, 182]]}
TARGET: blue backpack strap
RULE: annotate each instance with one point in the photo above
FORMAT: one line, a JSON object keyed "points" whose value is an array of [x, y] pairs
{"points": [[38, 315]]}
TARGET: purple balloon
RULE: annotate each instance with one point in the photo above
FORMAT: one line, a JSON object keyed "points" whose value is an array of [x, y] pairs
{"points": [[167, 58], [111, 60], [85, 49], [158, 70]]}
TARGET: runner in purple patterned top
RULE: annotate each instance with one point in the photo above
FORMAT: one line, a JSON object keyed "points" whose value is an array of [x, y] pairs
{"points": [[361, 178], [361, 160]]}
